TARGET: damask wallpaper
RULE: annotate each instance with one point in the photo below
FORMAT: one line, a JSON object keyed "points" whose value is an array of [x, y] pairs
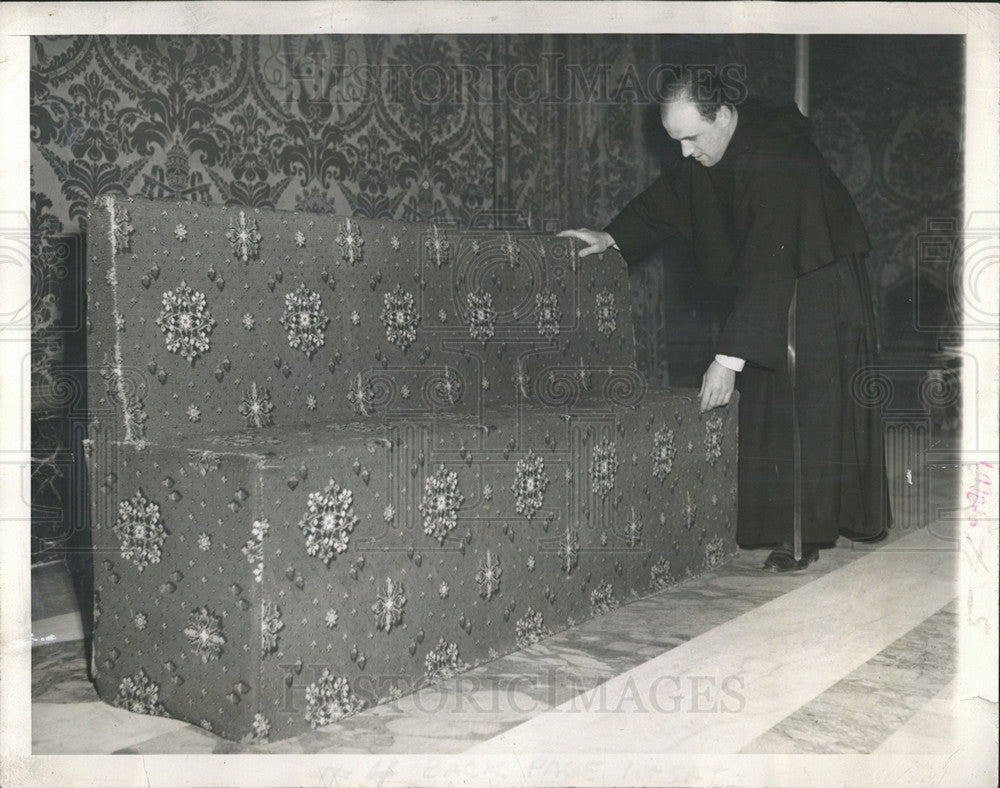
{"points": [[888, 115]]}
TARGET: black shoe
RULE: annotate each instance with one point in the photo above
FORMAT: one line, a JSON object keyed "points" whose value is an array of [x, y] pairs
{"points": [[783, 559]]}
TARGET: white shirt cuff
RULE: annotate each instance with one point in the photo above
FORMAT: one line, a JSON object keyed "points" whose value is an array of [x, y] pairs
{"points": [[731, 362]]}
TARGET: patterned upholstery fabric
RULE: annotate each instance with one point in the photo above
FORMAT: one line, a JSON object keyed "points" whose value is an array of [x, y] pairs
{"points": [[333, 459]]}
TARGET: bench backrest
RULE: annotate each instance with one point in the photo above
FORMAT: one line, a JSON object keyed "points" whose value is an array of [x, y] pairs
{"points": [[206, 318]]}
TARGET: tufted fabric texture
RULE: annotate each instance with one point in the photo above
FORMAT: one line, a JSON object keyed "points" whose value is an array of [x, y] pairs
{"points": [[333, 459]]}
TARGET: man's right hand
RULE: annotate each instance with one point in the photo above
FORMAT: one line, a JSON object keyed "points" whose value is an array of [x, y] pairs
{"points": [[596, 241]]}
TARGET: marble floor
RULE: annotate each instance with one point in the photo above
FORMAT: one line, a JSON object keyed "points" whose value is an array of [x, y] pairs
{"points": [[856, 656]]}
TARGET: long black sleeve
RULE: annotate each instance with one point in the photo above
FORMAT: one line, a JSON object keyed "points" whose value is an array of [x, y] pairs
{"points": [[756, 329], [651, 217]]}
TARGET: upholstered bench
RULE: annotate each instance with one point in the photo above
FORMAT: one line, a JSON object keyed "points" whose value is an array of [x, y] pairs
{"points": [[333, 459]]}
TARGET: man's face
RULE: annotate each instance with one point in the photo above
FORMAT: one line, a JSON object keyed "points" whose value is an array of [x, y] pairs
{"points": [[705, 141]]}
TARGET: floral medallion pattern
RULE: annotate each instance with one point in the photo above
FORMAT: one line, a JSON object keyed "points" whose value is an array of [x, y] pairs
{"points": [[713, 440], [663, 453], [388, 608], [715, 552], [304, 320], [530, 628], [185, 322], [602, 598], [633, 528], [330, 699], [482, 315], [270, 625], [549, 314], [350, 242], [399, 316], [254, 548], [204, 634], [442, 661], [361, 396], [438, 246], [244, 237], [138, 694], [260, 731], [256, 407], [511, 250], [329, 521], [530, 484], [139, 528], [569, 550], [447, 389], [603, 467], [488, 575], [659, 574], [440, 503], [606, 312]]}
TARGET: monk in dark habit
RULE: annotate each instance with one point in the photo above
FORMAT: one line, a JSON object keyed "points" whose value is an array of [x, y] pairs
{"points": [[766, 214]]}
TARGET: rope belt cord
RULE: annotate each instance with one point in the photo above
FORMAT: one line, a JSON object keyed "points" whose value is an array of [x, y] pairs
{"points": [[796, 437]]}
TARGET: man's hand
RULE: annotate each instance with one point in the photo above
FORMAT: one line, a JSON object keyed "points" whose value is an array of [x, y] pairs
{"points": [[596, 241], [717, 386]]}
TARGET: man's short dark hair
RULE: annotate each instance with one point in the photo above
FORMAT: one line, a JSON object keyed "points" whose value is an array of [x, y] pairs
{"points": [[708, 87]]}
